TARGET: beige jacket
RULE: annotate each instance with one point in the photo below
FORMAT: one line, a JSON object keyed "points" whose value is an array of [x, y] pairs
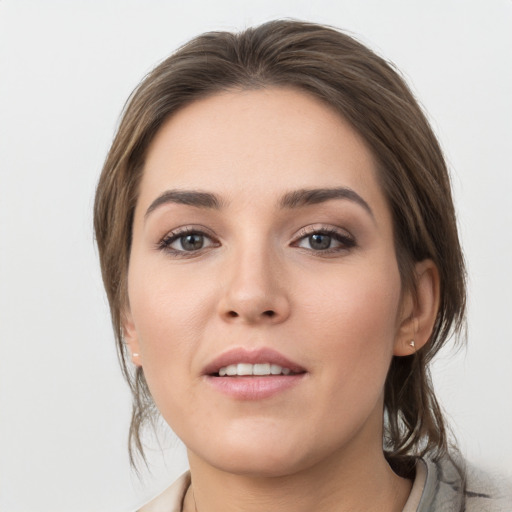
{"points": [[436, 488]]}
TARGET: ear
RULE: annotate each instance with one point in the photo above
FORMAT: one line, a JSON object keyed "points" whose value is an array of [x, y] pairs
{"points": [[130, 337], [419, 310]]}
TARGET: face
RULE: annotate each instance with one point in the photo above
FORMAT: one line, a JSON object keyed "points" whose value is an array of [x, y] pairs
{"points": [[264, 292]]}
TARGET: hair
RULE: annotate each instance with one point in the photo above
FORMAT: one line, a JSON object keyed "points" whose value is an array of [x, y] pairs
{"points": [[371, 95]]}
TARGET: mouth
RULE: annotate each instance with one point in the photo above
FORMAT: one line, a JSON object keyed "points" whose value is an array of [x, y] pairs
{"points": [[253, 374], [248, 369], [241, 362]]}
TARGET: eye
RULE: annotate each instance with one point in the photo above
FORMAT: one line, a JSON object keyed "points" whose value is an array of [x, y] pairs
{"points": [[192, 242], [319, 241], [186, 241], [325, 240]]}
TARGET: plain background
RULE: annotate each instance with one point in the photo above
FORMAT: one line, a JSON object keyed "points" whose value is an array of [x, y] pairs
{"points": [[66, 68]]}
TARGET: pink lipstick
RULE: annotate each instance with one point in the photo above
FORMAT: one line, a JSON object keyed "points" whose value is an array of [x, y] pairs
{"points": [[252, 374]]}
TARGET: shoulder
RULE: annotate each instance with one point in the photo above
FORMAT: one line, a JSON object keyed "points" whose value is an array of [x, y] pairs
{"points": [[486, 491], [171, 499], [452, 485]]}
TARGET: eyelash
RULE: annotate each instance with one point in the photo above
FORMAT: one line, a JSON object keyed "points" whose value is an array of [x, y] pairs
{"points": [[347, 241], [166, 242]]}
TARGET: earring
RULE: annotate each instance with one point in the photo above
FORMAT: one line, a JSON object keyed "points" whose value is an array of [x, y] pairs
{"points": [[412, 344]]}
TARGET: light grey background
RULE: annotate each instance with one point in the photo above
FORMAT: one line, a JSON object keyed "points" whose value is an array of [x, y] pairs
{"points": [[66, 68]]}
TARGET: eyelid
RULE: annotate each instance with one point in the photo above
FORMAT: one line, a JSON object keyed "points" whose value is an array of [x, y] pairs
{"points": [[322, 228], [342, 235], [164, 243]]}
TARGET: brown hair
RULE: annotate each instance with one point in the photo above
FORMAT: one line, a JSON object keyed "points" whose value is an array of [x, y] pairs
{"points": [[369, 94]]}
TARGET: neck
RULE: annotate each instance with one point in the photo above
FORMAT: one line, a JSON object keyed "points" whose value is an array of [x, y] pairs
{"points": [[341, 482]]}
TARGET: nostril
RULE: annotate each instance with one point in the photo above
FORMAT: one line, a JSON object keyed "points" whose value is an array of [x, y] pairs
{"points": [[269, 313]]}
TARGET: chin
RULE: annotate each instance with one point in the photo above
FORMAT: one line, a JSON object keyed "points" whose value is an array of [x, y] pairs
{"points": [[269, 467], [257, 458]]}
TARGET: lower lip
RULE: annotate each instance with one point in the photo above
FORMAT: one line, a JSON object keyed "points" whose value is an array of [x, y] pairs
{"points": [[252, 387]]}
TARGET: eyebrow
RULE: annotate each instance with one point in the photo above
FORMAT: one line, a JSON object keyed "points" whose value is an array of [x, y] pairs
{"points": [[290, 200], [306, 197], [187, 197]]}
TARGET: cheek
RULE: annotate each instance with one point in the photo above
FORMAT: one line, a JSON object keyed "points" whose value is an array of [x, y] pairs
{"points": [[355, 321], [169, 311]]}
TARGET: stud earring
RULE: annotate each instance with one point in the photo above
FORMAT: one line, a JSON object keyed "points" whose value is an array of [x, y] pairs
{"points": [[412, 344]]}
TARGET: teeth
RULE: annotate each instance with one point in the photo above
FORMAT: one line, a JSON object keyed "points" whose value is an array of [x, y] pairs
{"points": [[244, 369], [253, 369], [275, 369], [261, 369]]}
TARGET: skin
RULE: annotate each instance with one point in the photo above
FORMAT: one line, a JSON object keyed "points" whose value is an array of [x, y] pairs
{"points": [[340, 313]]}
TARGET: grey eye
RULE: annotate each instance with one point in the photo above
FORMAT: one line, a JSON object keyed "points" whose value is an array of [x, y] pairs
{"points": [[191, 242], [319, 241], [187, 242], [326, 241]]}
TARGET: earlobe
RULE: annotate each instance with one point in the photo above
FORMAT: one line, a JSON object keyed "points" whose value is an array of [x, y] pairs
{"points": [[130, 338], [419, 311]]}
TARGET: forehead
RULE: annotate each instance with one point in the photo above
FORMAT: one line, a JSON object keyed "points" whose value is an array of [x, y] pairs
{"points": [[256, 144]]}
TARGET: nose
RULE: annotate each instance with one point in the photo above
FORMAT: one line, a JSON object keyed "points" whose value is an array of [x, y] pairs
{"points": [[254, 290]]}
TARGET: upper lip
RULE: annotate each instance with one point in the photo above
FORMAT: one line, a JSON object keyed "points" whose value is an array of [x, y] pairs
{"points": [[254, 356]]}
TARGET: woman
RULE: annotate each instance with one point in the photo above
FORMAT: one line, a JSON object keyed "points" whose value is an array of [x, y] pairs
{"points": [[279, 248]]}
